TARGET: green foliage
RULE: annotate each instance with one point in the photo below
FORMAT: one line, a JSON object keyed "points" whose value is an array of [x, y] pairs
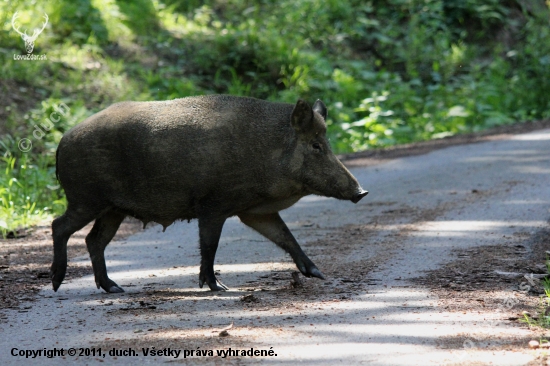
{"points": [[77, 20], [392, 71], [29, 193], [542, 318]]}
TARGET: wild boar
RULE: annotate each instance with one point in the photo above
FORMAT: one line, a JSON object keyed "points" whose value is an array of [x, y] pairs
{"points": [[206, 158]]}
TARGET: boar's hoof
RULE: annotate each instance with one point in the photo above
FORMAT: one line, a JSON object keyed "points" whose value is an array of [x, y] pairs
{"points": [[316, 273], [110, 287], [212, 282], [215, 286], [218, 286], [57, 274], [310, 271], [55, 285], [115, 289]]}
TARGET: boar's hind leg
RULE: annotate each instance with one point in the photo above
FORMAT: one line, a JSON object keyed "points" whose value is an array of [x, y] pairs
{"points": [[62, 228], [104, 229], [209, 232], [274, 228]]}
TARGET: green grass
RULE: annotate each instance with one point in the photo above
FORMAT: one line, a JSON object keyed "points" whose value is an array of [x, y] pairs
{"points": [[25, 184], [390, 72], [542, 318]]}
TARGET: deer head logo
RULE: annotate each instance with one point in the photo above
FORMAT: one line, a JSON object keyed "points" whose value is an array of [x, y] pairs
{"points": [[29, 40]]}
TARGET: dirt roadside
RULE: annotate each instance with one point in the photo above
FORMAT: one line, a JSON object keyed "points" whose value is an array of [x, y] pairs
{"points": [[482, 280], [25, 261], [379, 156]]}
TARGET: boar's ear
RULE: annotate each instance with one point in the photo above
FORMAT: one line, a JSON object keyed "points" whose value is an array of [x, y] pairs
{"points": [[302, 116], [320, 108]]}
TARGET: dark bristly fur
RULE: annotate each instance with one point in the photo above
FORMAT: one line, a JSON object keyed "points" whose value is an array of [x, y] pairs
{"points": [[209, 157]]}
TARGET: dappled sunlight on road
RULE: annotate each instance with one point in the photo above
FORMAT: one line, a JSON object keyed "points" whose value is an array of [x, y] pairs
{"points": [[463, 227], [533, 136]]}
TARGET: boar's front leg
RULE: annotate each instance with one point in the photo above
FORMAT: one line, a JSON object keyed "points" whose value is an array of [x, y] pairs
{"points": [[274, 228], [210, 230]]}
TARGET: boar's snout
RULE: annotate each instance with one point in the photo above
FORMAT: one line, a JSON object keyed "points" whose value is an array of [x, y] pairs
{"points": [[357, 197]]}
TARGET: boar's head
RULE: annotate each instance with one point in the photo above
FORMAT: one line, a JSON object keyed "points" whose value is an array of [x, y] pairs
{"points": [[318, 169]]}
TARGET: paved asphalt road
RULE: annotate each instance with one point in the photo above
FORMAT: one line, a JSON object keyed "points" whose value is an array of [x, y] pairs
{"points": [[418, 212]]}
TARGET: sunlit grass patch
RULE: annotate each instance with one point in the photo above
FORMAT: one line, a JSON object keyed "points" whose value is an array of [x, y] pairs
{"points": [[28, 194]]}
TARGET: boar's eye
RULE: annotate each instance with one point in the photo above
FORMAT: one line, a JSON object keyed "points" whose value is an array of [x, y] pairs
{"points": [[316, 146]]}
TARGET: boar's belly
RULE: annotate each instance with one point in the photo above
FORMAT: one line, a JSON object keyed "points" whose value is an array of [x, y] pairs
{"points": [[273, 206]]}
